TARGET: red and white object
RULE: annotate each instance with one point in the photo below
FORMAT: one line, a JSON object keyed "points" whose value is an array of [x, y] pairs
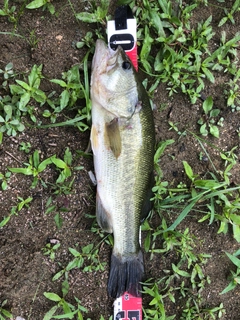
{"points": [[128, 307]]}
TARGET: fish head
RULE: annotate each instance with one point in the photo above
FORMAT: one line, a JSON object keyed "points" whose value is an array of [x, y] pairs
{"points": [[113, 81]]}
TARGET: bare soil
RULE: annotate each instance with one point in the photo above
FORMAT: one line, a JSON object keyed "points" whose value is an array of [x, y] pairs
{"points": [[25, 273]]}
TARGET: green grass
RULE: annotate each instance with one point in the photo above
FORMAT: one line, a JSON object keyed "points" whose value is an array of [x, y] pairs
{"points": [[172, 50]]}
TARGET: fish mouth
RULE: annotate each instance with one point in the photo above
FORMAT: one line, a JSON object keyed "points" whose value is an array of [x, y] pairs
{"points": [[104, 59]]}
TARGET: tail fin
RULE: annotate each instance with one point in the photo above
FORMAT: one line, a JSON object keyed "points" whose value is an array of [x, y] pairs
{"points": [[125, 275]]}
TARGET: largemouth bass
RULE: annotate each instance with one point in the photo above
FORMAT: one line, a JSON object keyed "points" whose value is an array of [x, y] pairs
{"points": [[122, 140]]}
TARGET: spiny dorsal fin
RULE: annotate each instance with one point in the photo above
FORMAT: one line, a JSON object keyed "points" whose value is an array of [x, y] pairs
{"points": [[114, 137]]}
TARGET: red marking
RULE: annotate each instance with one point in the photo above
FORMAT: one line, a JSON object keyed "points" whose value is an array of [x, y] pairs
{"points": [[131, 308], [133, 56]]}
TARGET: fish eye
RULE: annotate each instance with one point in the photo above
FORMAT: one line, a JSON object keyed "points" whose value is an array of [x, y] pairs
{"points": [[126, 65]]}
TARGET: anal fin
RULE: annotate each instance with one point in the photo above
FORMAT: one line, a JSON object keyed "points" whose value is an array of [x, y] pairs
{"points": [[103, 218]]}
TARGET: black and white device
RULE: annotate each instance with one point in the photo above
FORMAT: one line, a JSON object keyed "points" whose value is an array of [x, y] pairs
{"points": [[123, 32]]}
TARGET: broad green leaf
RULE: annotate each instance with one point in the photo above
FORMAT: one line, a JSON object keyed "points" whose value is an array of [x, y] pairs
{"points": [[27, 171], [234, 259], [147, 242], [50, 313], [237, 253], [4, 185], [42, 166], [36, 158], [214, 112], [64, 98], [24, 85], [8, 110], [206, 184], [49, 201], [68, 156], [67, 172], [59, 163], [65, 287], [50, 209], [222, 21], [5, 313], [75, 263], [66, 308], [208, 104], [39, 96], [214, 130], [203, 130], [61, 178], [208, 74], [52, 296], [25, 98], [183, 214], [74, 252], [87, 17], [160, 149], [36, 4], [34, 76], [4, 221], [146, 48], [230, 287], [223, 227], [171, 297], [87, 249], [157, 23], [3, 13], [46, 113], [79, 168], [180, 272], [236, 6], [51, 8], [21, 127], [230, 100], [15, 89], [58, 220], [9, 66], [236, 233], [235, 218], [60, 82], [29, 199], [24, 202], [14, 122], [58, 275], [188, 170]]}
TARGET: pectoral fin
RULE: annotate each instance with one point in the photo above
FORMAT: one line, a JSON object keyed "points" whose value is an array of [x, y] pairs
{"points": [[114, 137], [94, 138], [103, 218]]}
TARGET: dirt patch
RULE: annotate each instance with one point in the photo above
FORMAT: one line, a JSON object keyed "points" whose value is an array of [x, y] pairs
{"points": [[25, 272]]}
